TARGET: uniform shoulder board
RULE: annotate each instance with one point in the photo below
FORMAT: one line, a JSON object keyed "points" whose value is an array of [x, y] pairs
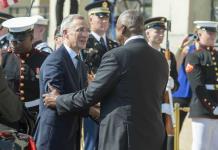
{"points": [[44, 47]]}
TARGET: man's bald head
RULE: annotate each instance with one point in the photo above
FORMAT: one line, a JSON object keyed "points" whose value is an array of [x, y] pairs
{"points": [[129, 23]]}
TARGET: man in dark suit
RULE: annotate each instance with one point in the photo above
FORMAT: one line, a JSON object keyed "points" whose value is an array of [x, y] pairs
{"points": [[63, 70], [97, 45], [129, 92]]}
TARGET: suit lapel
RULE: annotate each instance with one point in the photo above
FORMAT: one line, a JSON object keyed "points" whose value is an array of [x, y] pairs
{"points": [[71, 67]]}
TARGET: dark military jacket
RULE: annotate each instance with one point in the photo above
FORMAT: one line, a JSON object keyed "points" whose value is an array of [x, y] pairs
{"points": [[22, 73], [94, 51], [173, 69], [202, 72]]}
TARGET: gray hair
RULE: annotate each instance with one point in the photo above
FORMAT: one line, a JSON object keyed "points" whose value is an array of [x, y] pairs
{"points": [[133, 20], [67, 21]]}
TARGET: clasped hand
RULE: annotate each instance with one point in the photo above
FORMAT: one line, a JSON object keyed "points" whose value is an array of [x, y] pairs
{"points": [[50, 98]]}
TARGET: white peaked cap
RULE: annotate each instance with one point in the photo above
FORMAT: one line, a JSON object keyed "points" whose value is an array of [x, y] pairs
{"points": [[210, 24], [19, 24], [40, 20]]}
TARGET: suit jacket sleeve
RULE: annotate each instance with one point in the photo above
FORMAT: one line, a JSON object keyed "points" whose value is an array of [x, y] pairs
{"points": [[10, 105], [105, 80], [53, 74]]}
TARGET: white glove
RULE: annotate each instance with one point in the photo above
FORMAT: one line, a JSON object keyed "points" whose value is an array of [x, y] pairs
{"points": [[170, 83], [215, 111], [165, 108]]}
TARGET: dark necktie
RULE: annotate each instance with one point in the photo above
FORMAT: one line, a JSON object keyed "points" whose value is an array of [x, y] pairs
{"points": [[79, 69], [103, 43], [78, 65]]}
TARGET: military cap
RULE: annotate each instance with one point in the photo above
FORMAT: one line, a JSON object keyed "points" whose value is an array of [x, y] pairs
{"points": [[211, 26], [19, 27], [156, 22], [99, 8], [40, 20], [4, 16]]}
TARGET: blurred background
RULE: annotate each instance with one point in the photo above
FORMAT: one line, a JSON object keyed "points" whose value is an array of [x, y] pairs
{"points": [[182, 13]]}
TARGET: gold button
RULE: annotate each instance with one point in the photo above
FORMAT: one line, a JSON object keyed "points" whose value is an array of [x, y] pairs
{"points": [[216, 73], [212, 53], [216, 68], [22, 61], [28, 54], [22, 98], [22, 77], [205, 100], [22, 68], [209, 103], [21, 91], [216, 86], [213, 58], [213, 107], [21, 84], [214, 63], [207, 65]]}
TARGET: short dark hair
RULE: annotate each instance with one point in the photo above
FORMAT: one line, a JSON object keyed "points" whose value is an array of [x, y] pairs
{"points": [[133, 20]]}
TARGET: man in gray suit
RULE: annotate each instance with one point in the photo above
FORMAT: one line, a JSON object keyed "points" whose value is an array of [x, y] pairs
{"points": [[129, 84]]}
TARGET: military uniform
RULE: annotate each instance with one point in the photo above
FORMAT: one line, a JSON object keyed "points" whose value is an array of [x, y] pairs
{"points": [[21, 67], [94, 51], [42, 47], [41, 26], [202, 71], [173, 69]]}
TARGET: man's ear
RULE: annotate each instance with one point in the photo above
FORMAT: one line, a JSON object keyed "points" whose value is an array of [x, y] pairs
{"points": [[123, 29]]}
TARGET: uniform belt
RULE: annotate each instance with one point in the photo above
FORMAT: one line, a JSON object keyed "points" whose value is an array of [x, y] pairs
{"points": [[32, 103], [211, 86]]}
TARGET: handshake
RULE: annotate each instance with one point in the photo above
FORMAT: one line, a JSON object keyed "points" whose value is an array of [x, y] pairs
{"points": [[170, 83]]}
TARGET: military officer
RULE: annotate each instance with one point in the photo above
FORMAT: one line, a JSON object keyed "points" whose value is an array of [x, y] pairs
{"points": [[202, 71], [98, 42], [154, 33], [97, 45], [40, 28], [22, 64]]}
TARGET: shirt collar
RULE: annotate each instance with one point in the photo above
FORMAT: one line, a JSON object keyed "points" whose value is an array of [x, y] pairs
{"points": [[134, 37], [70, 51], [97, 37]]}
